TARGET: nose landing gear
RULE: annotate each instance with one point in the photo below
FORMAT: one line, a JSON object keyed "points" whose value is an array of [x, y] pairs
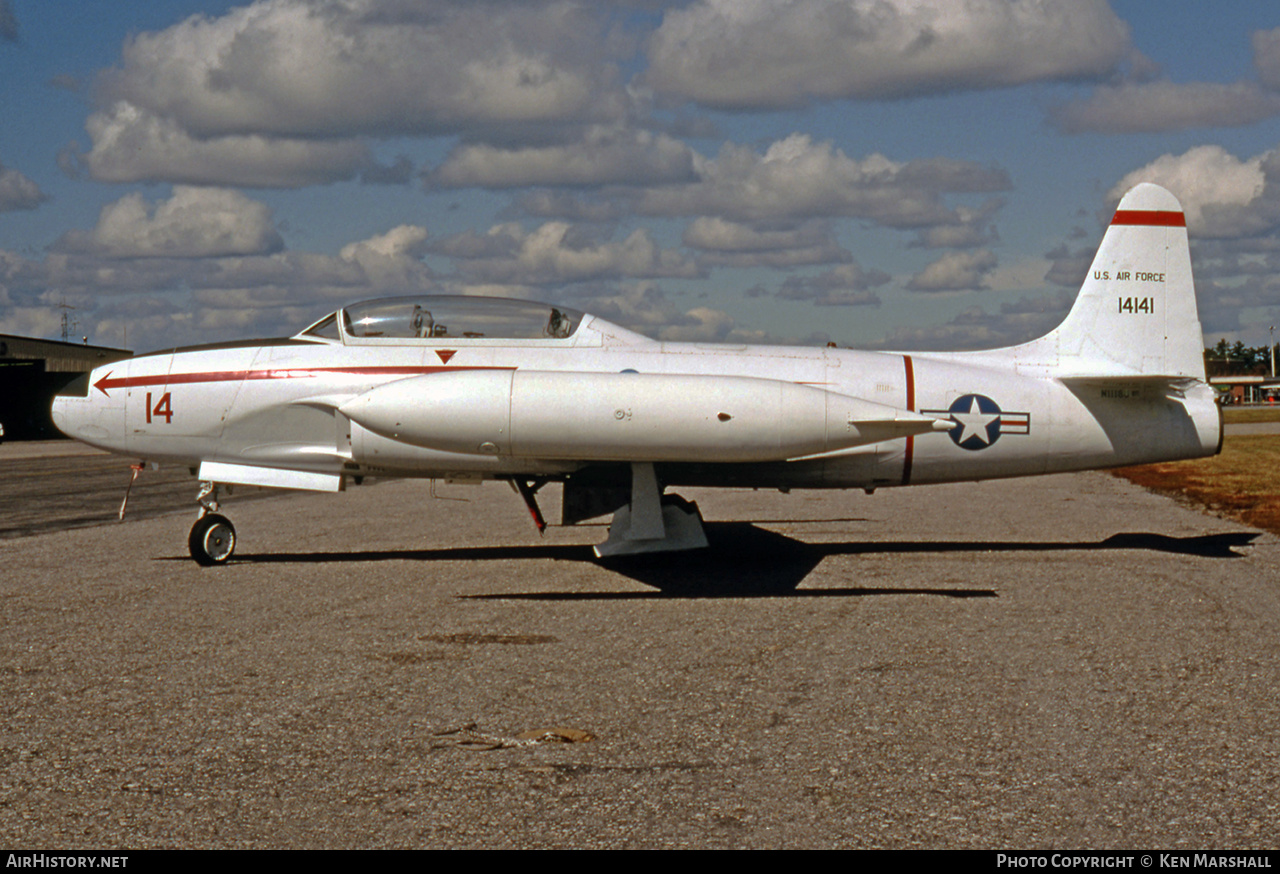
{"points": [[213, 537]]}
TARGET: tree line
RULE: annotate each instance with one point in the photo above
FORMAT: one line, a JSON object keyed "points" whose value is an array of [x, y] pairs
{"points": [[1226, 359]]}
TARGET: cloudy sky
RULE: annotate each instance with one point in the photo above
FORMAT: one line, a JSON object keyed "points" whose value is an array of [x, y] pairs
{"points": [[924, 174]]}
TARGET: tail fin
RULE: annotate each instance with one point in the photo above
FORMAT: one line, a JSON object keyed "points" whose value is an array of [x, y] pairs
{"points": [[1136, 313]]}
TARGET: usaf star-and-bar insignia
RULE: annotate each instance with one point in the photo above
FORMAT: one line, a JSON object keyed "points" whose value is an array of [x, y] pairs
{"points": [[980, 421]]}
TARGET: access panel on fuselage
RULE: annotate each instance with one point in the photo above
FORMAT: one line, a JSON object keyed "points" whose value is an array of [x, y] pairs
{"points": [[1003, 423], [284, 414], [178, 402]]}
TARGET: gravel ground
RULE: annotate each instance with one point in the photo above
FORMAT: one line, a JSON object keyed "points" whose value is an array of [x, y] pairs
{"points": [[1061, 662]]}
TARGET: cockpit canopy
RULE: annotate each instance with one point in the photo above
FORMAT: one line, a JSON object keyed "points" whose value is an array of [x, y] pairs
{"points": [[445, 317]]}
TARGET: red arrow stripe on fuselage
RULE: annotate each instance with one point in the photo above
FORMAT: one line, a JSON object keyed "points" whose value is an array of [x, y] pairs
{"points": [[106, 383]]}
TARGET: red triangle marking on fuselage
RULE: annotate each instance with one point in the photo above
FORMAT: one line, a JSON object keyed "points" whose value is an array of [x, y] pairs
{"points": [[446, 354]]}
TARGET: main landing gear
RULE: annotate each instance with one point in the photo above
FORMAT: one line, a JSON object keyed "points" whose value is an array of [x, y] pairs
{"points": [[652, 522], [213, 537], [644, 519]]}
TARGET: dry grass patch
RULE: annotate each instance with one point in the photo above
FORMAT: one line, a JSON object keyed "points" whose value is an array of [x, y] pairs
{"points": [[1242, 483]]}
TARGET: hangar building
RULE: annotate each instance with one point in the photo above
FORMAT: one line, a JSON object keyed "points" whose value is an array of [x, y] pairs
{"points": [[31, 373]]}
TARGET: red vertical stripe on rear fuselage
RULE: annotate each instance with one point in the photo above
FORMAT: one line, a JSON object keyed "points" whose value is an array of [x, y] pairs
{"points": [[911, 408]]}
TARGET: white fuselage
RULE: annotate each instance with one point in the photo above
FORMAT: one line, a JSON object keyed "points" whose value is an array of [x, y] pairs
{"points": [[292, 405]]}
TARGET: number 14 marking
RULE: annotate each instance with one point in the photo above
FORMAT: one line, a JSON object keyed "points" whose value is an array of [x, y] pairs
{"points": [[163, 408]]}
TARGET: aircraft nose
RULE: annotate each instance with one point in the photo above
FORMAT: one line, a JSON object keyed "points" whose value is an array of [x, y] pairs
{"points": [[90, 414], [64, 410]]}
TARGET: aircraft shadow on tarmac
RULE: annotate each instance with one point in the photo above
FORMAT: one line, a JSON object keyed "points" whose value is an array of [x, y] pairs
{"points": [[744, 560]]}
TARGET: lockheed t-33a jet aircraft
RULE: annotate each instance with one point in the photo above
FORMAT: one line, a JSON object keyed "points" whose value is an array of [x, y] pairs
{"points": [[473, 388]]}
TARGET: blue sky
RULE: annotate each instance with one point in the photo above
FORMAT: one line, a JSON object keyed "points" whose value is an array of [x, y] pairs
{"points": [[879, 173]]}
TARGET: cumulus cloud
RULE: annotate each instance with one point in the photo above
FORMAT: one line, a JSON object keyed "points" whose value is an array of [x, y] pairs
{"points": [[798, 178], [134, 145], [975, 328], [970, 228], [643, 307], [1069, 267], [725, 243], [736, 55], [31, 321], [193, 223], [846, 285], [1152, 107], [794, 179], [1266, 57], [392, 260], [955, 271], [1222, 303], [1221, 195], [717, 235], [294, 68], [405, 240], [604, 156], [556, 252], [281, 93], [700, 324], [382, 265], [1149, 104], [18, 192], [140, 280]]}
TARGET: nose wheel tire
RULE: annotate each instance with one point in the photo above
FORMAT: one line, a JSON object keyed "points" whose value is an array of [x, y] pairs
{"points": [[212, 540]]}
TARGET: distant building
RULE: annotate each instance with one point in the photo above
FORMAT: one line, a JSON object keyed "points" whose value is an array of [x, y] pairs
{"points": [[1247, 389], [32, 371]]}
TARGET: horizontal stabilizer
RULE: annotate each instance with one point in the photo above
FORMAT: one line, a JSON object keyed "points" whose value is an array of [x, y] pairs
{"points": [[1174, 379], [1147, 387]]}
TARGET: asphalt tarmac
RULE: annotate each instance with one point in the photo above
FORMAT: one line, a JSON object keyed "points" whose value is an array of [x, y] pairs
{"points": [[1060, 662]]}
